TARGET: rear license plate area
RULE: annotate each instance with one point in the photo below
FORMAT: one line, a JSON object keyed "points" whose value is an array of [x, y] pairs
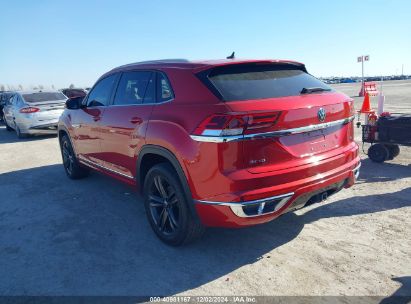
{"points": [[313, 142]]}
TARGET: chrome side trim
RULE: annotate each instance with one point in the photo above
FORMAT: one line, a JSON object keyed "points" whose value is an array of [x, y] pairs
{"points": [[91, 163], [216, 139], [220, 139], [141, 104]]}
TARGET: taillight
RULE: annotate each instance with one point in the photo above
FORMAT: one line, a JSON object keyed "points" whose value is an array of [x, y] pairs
{"points": [[29, 110], [258, 121], [236, 124]]}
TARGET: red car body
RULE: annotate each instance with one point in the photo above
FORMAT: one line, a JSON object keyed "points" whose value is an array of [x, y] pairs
{"points": [[287, 153]]}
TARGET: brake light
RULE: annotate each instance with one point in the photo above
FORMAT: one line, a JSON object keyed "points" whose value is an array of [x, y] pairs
{"points": [[29, 110], [236, 124], [262, 120]]}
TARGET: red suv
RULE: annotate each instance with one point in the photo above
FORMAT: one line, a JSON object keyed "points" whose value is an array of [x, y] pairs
{"points": [[227, 143]]}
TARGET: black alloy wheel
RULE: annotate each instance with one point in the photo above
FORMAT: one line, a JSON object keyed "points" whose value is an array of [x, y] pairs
{"points": [[167, 207], [164, 206], [68, 157], [71, 165]]}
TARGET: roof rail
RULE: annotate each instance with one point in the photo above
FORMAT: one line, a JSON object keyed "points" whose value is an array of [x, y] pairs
{"points": [[177, 60]]}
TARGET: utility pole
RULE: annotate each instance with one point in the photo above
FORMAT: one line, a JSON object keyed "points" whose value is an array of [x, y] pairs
{"points": [[361, 59], [362, 71]]}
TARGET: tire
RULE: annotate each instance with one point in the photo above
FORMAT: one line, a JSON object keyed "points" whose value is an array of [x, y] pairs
{"points": [[71, 165], [393, 150], [19, 134], [8, 128], [378, 153], [167, 208]]}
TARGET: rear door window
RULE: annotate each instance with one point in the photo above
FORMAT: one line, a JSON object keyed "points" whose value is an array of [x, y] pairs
{"points": [[135, 87], [245, 82]]}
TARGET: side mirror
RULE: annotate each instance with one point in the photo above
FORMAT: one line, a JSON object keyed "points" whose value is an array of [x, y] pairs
{"points": [[74, 103]]}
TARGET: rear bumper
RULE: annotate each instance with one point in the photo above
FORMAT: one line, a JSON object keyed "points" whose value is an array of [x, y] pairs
{"points": [[39, 128], [229, 210], [38, 122], [43, 129]]}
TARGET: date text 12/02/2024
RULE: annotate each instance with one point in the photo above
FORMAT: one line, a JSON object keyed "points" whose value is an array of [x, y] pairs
{"points": [[203, 299]]}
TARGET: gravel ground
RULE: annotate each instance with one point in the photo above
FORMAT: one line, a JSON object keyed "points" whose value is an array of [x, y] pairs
{"points": [[91, 237]]}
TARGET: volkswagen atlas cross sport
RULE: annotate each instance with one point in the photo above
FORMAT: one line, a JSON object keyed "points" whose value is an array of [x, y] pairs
{"points": [[227, 143]]}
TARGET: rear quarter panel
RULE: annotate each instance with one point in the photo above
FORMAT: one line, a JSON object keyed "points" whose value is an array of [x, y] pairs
{"points": [[172, 123]]}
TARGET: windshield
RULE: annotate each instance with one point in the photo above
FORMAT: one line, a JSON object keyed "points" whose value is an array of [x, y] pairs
{"points": [[44, 96], [245, 82]]}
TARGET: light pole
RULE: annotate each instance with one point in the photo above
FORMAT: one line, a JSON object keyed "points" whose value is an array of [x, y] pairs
{"points": [[361, 59]]}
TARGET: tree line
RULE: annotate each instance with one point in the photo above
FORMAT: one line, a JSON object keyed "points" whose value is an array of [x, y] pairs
{"points": [[4, 87]]}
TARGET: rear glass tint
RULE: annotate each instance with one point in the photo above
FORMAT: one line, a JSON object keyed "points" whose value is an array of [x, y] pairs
{"points": [[245, 82], [74, 93], [44, 96]]}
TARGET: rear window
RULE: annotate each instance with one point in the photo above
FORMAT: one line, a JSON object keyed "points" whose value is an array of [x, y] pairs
{"points": [[74, 93], [43, 96], [244, 82]]}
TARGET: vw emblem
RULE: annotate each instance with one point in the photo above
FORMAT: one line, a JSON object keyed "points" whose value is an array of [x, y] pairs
{"points": [[321, 114]]}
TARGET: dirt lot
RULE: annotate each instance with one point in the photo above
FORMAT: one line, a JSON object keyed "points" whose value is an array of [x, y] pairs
{"points": [[91, 237]]}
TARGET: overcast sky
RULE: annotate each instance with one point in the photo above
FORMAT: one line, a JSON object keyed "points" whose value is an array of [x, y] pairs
{"points": [[64, 42]]}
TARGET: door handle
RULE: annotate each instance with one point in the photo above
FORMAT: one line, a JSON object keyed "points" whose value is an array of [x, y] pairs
{"points": [[136, 120]]}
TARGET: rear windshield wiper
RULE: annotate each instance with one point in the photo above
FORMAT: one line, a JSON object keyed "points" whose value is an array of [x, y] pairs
{"points": [[313, 90]]}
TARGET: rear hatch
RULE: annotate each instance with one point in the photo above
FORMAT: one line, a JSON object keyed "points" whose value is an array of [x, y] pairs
{"points": [[287, 116]]}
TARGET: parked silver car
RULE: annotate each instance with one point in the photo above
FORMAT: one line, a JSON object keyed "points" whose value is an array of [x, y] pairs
{"points": [[35, 112]]}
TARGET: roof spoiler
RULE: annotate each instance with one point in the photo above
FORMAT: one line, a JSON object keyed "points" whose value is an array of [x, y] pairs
{"points": [[300, 65]]}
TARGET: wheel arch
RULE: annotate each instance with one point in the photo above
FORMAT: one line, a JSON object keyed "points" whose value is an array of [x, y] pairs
{"points": [[151, 155], [62, 130]]}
